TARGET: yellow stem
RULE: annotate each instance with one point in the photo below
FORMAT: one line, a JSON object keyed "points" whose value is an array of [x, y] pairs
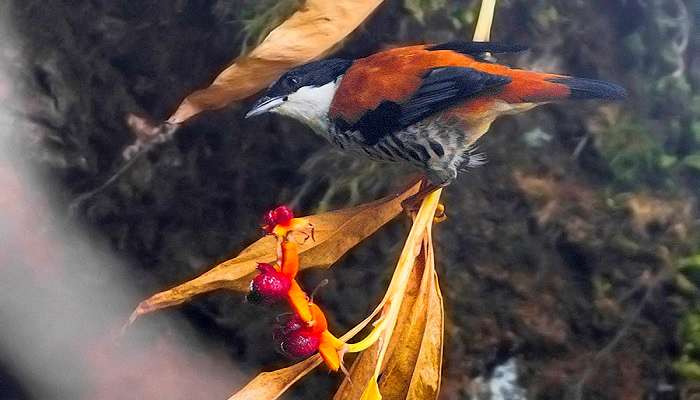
{"points": [[404, 267], [482, 33], [421, 227], [371, 339], [336, 342]]}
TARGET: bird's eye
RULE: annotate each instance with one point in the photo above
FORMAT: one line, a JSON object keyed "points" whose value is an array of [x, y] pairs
{"points": [[292, 81]]}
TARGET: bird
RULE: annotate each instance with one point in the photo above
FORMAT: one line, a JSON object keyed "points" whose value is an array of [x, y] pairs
{"points": [[422, 105]]}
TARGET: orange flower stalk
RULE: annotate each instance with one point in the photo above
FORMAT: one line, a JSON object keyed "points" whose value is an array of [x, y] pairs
{"points": [[300, 302], [276, 282], [289, 255], [281, 222], [307, 331], [329, 346]]}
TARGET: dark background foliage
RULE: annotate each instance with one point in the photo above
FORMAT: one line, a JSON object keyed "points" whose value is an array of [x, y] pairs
{"points": [[562, 253]]}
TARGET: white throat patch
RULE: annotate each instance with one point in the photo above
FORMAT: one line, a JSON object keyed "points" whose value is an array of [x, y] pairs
{"points": [[310, 105]]}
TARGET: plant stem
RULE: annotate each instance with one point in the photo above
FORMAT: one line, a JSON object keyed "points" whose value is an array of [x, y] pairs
{"points": [[482, 33]]}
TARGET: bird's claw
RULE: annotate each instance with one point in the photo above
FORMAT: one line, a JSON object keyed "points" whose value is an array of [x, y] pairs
{"points": [[411, 205], [440, 214]]}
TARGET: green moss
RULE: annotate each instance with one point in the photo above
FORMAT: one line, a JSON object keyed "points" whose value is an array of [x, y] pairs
{"points": [[690, 334], [689, 276], [688, 364], [547, 17], [634, 46], [634, 155], [463, 17], [691, 263], [687, 368], [685, 286], [674, 87], [692, 162], [695, 131], [419, 8]]}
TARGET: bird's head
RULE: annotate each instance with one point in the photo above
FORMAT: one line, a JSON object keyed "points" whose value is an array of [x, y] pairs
{"points": [[304, 93]]}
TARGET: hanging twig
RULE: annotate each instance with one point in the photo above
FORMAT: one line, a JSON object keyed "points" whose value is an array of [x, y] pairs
{"points": [[148, 135]]}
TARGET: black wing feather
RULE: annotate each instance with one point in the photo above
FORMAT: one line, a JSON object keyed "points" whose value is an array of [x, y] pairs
{"points": [[441, 88], [444, 87]]}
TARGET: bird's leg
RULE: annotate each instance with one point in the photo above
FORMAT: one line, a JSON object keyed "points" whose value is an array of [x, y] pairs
{"points": [[412, 204]]}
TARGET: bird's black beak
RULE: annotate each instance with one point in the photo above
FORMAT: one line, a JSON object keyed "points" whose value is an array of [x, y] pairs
{"points": [[265, 104]]}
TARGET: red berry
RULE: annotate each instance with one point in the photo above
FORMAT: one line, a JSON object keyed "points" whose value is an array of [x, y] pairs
{"points": [[283, 214], [266, 268], [269, 287], [269, 221], [280, 215], [295, 338], [287, 324], [301, 343]]}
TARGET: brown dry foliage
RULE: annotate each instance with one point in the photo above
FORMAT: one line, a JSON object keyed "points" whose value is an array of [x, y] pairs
{"points": [[271, 385], [414, 354], [408, 355], [335, 233], [308, 34], [405, 361]]}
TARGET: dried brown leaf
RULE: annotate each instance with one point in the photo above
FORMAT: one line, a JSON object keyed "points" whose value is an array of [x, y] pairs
{"points": [[415, 361], [427, 375], [308, 34], [364, 365], [271, 385], [361, 372], [418, 247], [412, 312], [335, 233], [401, 298]]}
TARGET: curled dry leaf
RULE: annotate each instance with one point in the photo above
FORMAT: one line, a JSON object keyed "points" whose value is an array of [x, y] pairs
{"points": [[271, 385], [362, 371], [364, 365], [418, 246], [414, 367], [308, 34], [418, 341], [427, 375], [335, 233], [414, 257]]}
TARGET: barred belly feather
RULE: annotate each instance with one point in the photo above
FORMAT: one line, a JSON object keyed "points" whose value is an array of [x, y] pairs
{"points": [[436, 145]]}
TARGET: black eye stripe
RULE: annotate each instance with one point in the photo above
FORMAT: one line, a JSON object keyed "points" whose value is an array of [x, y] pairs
{"points": [[316, 74]]}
